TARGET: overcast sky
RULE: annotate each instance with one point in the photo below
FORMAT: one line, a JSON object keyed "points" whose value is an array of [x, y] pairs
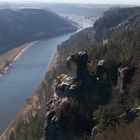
{"points": [[131, 2]]}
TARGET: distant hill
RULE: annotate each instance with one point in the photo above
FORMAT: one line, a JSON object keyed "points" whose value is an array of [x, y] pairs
{"points": [[114, 20], [20, 26], [4, 5], [79, 9]]}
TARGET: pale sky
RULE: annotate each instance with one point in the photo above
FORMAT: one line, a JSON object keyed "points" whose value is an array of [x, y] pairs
{"points": [[131, 2]]}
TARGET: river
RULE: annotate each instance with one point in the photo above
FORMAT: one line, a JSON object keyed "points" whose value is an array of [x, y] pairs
{"points": [[26, 74]]}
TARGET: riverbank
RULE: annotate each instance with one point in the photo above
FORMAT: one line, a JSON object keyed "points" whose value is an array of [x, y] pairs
{"points": [[41, 48], [21, 116], [7, 59], [33, 105]]}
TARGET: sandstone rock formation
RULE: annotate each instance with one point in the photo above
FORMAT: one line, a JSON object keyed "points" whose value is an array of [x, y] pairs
{"points": [[72, 100], [80, 93]]}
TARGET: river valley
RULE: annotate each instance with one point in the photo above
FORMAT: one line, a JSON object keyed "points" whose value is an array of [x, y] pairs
{"points": [[26, 74]]}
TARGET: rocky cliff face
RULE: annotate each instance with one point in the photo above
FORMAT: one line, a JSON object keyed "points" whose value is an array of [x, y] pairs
{"points": [[116, 20], [69, 112], [77, 97]]}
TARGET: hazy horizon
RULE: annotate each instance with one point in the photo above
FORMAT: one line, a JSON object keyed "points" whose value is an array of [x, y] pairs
{"points": [[124, 2]]}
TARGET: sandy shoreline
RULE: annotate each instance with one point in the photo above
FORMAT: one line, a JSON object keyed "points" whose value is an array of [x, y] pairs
{"points": [[8, 59]]}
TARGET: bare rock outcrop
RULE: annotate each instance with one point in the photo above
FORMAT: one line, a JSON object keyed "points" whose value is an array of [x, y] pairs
{"points": [[124, 76], [78, 94], [69, 112]]}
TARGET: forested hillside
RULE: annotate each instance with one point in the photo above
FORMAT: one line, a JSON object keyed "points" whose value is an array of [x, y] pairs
{"points": [[20, 26], [99, 98]]}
